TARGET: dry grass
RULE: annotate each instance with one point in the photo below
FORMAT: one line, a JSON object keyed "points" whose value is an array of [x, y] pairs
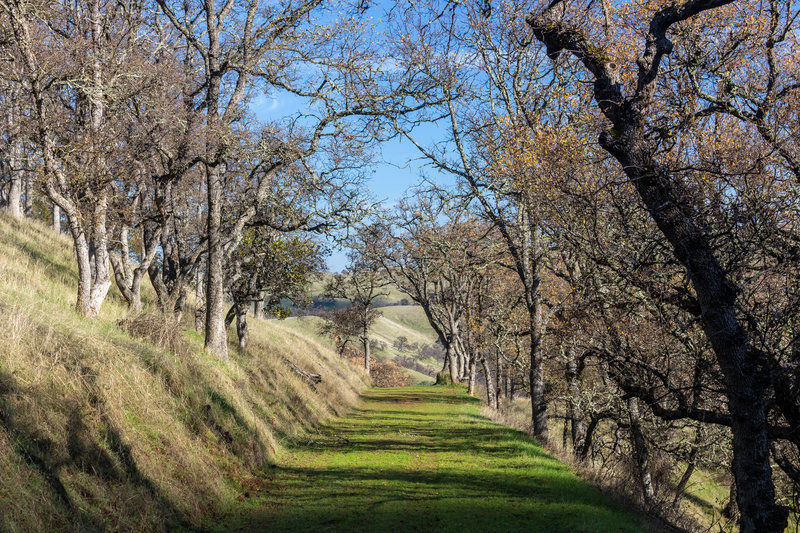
{"points": [[137, 428]]}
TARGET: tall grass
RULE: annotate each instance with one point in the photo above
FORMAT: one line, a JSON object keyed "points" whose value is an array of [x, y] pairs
{"points": [[103, 429]]}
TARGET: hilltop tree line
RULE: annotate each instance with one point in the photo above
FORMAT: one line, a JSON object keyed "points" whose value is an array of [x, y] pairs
{"points": [[619, 243]]}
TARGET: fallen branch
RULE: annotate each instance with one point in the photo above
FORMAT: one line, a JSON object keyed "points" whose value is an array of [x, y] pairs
{"points": [[312, 379]]}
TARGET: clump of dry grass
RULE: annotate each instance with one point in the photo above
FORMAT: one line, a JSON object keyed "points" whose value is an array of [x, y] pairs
{"points": [[134, 426], [158, 330]]}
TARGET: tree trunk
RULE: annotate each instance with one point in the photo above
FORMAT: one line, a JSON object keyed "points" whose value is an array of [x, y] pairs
{"points": [[15, 196], [451, 357], [367, 354], [102, 273], [258, 309], [577, 421], [56, 220], [538, 402], [84, 267], [180, 302], [463, 364], [491, 391], [680, 489], [124, 239], [216, 341], [583, 453], [641, 454], [731, 509], [14, 205], [199, 296], [471, 382], [29, 196], [100, 266], [499, 376], [241, 325], [14, 161]]}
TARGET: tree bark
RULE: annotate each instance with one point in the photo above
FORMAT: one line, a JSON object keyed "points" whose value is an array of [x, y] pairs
{"points": [[199, 295], [538, 401], [100, 266], [15, 172], [451, 358], [84, 267], [124, 238], [101, 269], [367, 354], [731, 509], [640, 454], [56, 219], [577, 422], [471, 382], [680, 489], [216, 340], [241, 325], [28, 196], [464, 362], [491, 391], [15, 195], [499, 376]]}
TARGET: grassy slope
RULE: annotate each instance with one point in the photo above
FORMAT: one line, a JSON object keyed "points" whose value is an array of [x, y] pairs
{"points": [[408, 320], [397, 320], [423, 459], [99, 429]]}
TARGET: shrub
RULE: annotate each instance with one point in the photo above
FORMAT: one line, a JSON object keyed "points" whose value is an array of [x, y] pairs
{"points": [[158, 329]]}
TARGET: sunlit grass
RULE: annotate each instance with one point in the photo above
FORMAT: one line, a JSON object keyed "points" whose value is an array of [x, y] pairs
{"points": [[423, 459]]}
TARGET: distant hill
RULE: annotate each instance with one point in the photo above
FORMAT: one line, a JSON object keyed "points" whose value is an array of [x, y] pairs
{"points": [[407, 321], [401, 318]]}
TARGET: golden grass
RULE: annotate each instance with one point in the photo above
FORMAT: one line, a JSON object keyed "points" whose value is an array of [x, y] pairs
{"points": [[100, 429]]}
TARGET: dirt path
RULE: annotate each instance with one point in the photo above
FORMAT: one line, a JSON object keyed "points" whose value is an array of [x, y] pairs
{"points": [[423, 459]]}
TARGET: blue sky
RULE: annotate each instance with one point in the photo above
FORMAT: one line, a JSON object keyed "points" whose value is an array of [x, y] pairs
{"points": [[398, 170]]}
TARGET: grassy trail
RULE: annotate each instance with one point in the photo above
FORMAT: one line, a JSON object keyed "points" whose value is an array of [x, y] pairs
{"points": [[423, 459]]}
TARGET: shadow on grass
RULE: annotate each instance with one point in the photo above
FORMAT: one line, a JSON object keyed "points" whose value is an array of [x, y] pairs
{"points": [[106, 457], [415, 461]]}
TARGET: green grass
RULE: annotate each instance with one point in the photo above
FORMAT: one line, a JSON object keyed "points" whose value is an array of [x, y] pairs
{"points": [[411, 317], [423, 459], [418, 378], [705, 497]]}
